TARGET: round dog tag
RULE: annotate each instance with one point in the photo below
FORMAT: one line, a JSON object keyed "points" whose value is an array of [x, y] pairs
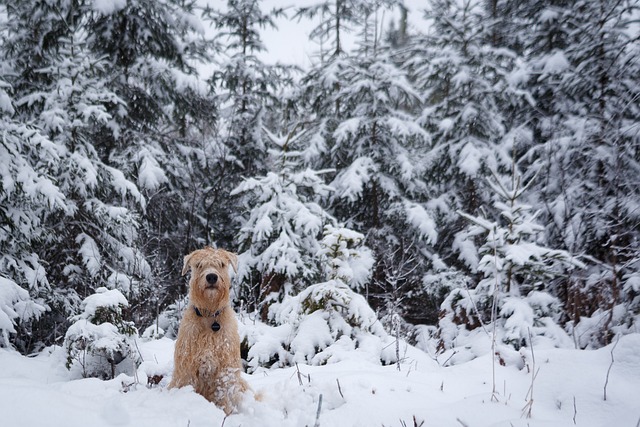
{"points": [[215, 326]]}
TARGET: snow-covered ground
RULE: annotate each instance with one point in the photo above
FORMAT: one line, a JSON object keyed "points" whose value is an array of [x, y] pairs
{"points": [[567, 391]]}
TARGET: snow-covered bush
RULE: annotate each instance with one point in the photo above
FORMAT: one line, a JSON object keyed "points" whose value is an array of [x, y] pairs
{"points": [[325, 323], [100, 340], [15, 305]]}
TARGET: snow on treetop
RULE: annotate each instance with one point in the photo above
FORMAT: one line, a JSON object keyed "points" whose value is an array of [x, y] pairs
{"points": [[102, 298], [330, 297]]}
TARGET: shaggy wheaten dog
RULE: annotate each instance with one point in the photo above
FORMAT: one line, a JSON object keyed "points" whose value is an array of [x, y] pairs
{"points": [[207, 351]]}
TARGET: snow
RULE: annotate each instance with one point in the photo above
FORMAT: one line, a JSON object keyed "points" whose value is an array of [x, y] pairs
{"points": [[15, 304], [555, 63], [107, 7], [569, 386], [5, 101], [350, 183], [418, 217], [347, 259], [90, 254], [470, 160], [150, 174], [103, 297], [345, 367]]}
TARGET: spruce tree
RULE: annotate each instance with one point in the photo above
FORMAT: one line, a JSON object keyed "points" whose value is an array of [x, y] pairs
{"points": [[249, 93], [471, 90], [61, 91], [280, 237], [585, 64], [516, 269]]}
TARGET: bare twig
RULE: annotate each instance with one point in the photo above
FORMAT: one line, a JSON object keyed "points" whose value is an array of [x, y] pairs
{"points": [[340, 388], [494, 319], [462, 422], [135, 341], [606, 383], [410, 365], [534, 373], [575, 410], [300, 375], [317, 424], [415, 422], [395, 322], [449, 358]]}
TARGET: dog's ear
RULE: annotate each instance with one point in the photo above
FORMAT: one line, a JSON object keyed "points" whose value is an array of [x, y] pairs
{"points": [[232, 259], [186, 266]]}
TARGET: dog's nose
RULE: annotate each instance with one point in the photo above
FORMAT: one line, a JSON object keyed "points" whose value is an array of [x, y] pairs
{"points": [[212, 278]]}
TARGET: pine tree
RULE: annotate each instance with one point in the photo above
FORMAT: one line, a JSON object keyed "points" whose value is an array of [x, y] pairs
{"points": [[166, 142], [111, 95], [363, 125], [247, 87], [249, 93], [339, 17]]}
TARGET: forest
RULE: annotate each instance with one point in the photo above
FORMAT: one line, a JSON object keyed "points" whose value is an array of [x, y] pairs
{"points": [[480, 172]]}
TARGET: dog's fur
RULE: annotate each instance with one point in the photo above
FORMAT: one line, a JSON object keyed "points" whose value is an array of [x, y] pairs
{"points": [[206, 359]]}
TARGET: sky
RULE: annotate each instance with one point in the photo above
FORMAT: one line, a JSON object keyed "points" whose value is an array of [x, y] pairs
{"points": [[290, 44]]}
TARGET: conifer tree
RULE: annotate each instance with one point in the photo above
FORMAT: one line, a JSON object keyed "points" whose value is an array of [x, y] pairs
{"points": [[364, 127], [338, 18], [166, 141], [471, 89], [89, 240], [586, 68], [28, 193], [247, 87], [100, 338], [112, 117], [280, 238], [516, 268], [249, 94]]}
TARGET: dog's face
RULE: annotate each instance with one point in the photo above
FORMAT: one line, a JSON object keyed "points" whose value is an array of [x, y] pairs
{"points": [[209, 284]]}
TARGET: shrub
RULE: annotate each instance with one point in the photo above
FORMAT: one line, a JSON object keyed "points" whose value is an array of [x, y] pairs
{"points": [[100, 340]]}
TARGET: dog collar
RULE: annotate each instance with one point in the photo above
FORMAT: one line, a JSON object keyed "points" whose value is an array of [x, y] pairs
{"points": [[215, 326]]}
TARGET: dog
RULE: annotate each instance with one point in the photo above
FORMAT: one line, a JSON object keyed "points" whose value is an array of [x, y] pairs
{"points": [[207, 350]]}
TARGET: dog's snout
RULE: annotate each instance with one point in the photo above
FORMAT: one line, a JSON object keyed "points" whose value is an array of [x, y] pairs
{"points": [[212, 278]]}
